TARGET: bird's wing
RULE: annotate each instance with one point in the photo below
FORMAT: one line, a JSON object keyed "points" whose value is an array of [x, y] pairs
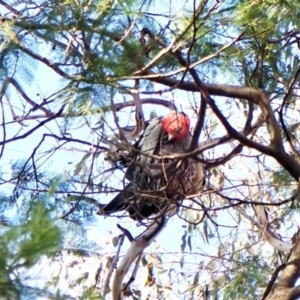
{"points": [[138, 173], [150, 140], [147, 146], [120, 202]]}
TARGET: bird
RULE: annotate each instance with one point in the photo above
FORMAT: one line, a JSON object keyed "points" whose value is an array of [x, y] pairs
{"points": [[157, 183]]}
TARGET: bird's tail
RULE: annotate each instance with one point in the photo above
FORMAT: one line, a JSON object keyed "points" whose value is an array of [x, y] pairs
{"points": [[120, 202]]}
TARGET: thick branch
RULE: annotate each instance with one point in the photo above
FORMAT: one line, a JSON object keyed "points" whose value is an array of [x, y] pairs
{"points": [[136, 248], [257, 97], [285, 288]]}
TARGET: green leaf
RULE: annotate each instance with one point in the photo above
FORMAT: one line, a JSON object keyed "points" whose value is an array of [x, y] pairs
{"points": [[115, 241], [183, 244], [81, 165], [55, 183], [189, 241]]}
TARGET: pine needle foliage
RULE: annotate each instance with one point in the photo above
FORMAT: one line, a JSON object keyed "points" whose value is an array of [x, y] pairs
{"points": [[22, 246], [69, 72]]}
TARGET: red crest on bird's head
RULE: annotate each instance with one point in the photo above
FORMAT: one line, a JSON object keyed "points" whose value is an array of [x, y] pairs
{"points": [[176, 124]]}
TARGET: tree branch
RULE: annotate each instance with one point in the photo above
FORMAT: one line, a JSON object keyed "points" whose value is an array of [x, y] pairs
{"points": [[136, 248], [285, 288]]}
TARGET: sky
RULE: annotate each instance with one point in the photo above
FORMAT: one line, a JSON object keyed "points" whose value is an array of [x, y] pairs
{"points": [[104, 229]]}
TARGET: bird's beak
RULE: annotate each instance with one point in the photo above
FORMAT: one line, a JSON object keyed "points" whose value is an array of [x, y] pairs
{"points": [[170, 137]]}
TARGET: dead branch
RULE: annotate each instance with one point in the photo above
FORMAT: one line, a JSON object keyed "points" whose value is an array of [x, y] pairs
{"points": [[261, 223], [135, 250]]}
